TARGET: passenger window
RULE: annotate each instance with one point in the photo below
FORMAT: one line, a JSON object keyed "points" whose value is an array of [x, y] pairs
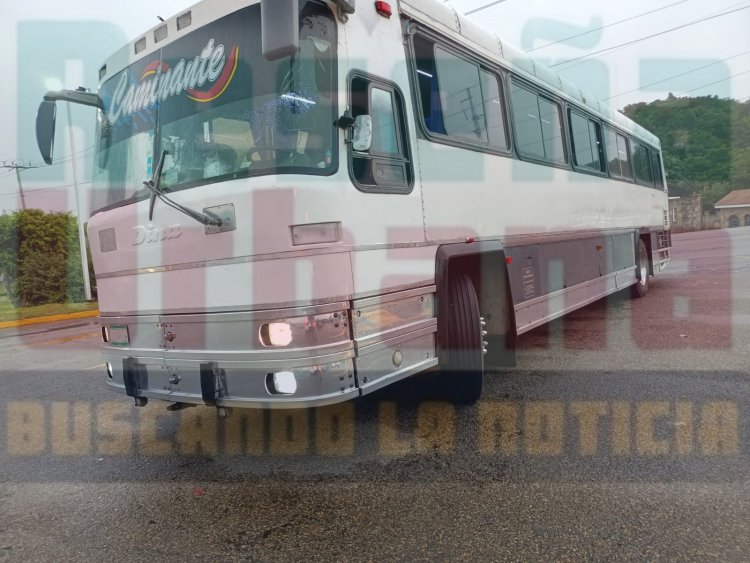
{"points": [[586, 138], [386, 165], [461, 97], [618, 157], [656, 168], [642, 165], [458, 98], [493, 110], [537, 125]]}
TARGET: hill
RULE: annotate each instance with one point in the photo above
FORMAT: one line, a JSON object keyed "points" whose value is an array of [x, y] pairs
{"points": [[705, 142]]}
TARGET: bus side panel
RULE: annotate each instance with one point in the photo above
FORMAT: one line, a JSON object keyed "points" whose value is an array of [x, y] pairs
{"points": [[550, 279]]}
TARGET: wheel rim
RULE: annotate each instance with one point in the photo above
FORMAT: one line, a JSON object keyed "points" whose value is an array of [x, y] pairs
{"points": [[644, 266]]}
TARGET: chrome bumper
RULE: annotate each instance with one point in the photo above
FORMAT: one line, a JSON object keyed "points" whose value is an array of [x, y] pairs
{"points": [[336, 352]]}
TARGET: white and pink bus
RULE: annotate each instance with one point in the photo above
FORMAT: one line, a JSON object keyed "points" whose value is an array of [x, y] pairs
{"points": [[298, 202]]}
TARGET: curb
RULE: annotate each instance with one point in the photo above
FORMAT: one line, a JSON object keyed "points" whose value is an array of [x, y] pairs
{"points": [[49, 319]]}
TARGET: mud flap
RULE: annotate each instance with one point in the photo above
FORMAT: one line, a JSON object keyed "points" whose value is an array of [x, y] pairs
{"points": [[212, 383], [134, 376]]}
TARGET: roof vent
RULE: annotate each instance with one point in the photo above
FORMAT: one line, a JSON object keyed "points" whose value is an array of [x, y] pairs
{"points": [[184, 20], [160, 33], [140, 45]]}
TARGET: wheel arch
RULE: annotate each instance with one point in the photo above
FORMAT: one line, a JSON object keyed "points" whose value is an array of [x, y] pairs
{"points": [[484, 263]]}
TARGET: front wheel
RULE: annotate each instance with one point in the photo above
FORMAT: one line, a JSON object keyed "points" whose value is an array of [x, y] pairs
{"points": [[462, 355], [640, 288]]}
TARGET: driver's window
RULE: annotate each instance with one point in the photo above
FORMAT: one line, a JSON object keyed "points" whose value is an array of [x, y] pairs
{"points": [[385, 166], [382, 111]]}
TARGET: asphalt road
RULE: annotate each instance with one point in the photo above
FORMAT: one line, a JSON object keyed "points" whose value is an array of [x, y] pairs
{"points": [[624, 433]]}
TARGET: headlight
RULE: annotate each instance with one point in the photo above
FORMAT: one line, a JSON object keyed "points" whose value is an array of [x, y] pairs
{"points": [[276, 334]]}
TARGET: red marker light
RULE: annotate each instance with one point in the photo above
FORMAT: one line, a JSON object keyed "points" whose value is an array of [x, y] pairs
{"points": [[384, 9], [508, 259], [470, 239]]}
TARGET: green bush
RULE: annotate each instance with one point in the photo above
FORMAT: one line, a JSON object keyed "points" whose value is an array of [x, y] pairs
{"points": [[40, 258]]}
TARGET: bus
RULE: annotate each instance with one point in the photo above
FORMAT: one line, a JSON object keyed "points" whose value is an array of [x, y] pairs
{"points": [[299, 202]]}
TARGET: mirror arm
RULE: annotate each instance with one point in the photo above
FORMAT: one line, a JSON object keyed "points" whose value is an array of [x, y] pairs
{"points": [[76, 97]]}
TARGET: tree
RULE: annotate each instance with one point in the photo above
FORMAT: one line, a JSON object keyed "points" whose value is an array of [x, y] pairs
{"points": [[40, 257]]}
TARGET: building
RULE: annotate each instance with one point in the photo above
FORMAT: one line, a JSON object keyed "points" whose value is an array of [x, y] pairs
{"points": [[733, 210]]}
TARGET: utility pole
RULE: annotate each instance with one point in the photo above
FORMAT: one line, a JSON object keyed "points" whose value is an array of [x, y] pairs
{"points": [[18, 167], [81, 234]]}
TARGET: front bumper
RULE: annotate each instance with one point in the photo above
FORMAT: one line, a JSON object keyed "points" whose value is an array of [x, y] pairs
{"points": [[338, 351]]}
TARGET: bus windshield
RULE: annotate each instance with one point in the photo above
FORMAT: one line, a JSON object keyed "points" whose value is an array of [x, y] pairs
{"points": [[219, 109]]}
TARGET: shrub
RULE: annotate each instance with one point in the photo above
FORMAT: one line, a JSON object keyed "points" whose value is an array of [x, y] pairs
{"points": [[40, 258]]}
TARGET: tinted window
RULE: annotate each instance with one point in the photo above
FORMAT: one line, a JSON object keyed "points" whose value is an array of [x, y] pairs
{"points": [[536, 122], [618, 159], [549, 113], [656, 168], [429, 96], [586, 136], [493, 110], [642, 165], [461, 97], [458, 98]]}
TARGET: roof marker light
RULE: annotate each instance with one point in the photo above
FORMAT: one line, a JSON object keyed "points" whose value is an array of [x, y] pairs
{"points": [[384, 9]]}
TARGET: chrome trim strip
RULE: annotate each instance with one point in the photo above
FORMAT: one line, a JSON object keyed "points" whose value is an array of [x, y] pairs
{"points": [[225, 262], [398, 375], [391, 296], [229, 315], [228, 360], [107, 316], [297, 357], [559, 292], [228, 309], [556, 314], [403, 287], [263, 315], [376, 341]]}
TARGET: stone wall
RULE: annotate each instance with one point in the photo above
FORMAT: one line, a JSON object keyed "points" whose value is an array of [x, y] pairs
{"points": [[686, 213]]}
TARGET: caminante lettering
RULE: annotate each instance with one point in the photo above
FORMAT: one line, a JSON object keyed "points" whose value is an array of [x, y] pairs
{"points": [[159, 82]]}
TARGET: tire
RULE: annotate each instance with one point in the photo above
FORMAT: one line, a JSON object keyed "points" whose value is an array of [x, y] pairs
{"points": [[462, 357], [640, 289]]}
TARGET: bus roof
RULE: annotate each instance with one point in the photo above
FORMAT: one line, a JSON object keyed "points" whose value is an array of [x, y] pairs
{"points": [[444, 18], [434, 13]]}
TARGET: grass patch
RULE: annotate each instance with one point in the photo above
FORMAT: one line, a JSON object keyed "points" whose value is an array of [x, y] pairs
{"points": [[10, 313]]}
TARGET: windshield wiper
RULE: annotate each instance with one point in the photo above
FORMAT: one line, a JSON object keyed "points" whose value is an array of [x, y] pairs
{"points": [[153, 185]]}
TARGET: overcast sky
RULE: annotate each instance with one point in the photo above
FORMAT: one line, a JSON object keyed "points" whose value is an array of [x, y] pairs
{"points": [[641, 71]]}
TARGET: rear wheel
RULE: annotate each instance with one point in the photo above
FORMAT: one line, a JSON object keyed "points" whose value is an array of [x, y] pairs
{"points": [[641, 286], [462, 356]]}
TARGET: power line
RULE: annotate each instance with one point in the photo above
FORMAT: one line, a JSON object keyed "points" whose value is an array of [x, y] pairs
{"points": [[475, 10], [675, 76], [716, 82], [604, 26], [647, 37], [35, 190]]}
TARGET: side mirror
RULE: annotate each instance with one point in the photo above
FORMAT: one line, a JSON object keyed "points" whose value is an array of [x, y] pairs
{"points": [[279, 28], [362, 136], [45, 129]]}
